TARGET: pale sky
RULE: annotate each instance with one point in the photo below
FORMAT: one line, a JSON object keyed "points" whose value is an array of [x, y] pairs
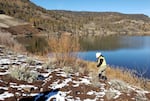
{"points": [[122, 6]]}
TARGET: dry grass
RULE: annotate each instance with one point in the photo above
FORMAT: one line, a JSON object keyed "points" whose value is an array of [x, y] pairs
{"points": [[8, 40], [125, 75], [120, 74], [63, 47]]}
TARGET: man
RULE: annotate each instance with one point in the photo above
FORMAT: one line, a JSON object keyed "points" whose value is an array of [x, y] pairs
{"points": [[101, 64]]}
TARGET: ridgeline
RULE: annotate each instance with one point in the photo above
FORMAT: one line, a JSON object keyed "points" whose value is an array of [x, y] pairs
{"points": [[79, 23]]}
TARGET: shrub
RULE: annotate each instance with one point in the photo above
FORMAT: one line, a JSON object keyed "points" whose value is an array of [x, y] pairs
{"points": [[23, 73], [50, 64], [63, 48], [8, 40], [68, 70], [120, 85]]}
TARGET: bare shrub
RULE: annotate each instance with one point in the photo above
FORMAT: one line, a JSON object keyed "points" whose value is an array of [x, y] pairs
{"points": [[120, 85], [94, 79], [64, 48], [7, 39], [50, 64], [110, 95], [68, 70], [23, 73]]}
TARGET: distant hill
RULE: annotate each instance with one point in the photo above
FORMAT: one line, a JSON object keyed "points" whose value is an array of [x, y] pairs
{"points": [[80, 23]]}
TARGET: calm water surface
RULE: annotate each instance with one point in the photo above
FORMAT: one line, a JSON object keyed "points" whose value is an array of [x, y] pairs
{"points": [[128, 52], [132, 52]]}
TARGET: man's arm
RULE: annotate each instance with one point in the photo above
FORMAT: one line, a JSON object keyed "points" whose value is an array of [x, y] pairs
{"points": [[100, 61]]}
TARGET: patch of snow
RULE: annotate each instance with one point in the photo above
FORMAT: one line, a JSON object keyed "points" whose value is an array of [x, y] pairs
{"points": [[89, 100], [63, 74], [4, 73], [128, 94], [118, 93], [58, 69], [77, 99], [45, 74], [60, 96], [23, 86], [33, 94], [76, 85], [132, 88], [137, 90], [55, 85], [85, 81], [5, 61], [39, 67], [69, 98], [1, 81], [141, 91], [5, 88], [12, 83], [4, 67], [98, 94], [6, 95], [90, 93]]}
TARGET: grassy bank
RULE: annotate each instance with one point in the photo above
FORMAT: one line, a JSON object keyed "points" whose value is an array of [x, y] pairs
{"points": [[66, 44]]}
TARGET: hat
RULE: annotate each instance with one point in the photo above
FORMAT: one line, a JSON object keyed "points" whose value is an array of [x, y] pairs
{"points": [[98, 54]]}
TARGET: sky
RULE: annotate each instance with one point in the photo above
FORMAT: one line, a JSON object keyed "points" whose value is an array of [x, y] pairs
{"points": [[122, 6]]}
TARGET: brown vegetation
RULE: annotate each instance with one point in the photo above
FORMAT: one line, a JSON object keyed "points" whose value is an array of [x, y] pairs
{"points": [[63, 47], [125, 75], [8, 40]]}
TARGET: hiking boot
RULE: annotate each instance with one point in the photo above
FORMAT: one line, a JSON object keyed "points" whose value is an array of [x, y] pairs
{"points": [[104, 78], [100, 76]]}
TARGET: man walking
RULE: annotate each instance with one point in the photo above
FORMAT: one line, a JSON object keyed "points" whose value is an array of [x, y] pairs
{"points": [[101, 64]]}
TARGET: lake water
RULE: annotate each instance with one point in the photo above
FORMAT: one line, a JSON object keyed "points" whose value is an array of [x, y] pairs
{"points": [[132, 52]]}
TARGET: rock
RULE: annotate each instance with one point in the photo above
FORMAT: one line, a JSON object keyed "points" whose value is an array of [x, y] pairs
{"points": [[40, 77], [2, 91]]}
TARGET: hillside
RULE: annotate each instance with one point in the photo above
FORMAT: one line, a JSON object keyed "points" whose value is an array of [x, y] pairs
{"points": [[80, 23], [16, 26], [24, 78], [7, 21]]}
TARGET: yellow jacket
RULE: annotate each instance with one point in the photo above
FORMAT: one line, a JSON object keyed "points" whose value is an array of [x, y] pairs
{"points": [[101, 61]]}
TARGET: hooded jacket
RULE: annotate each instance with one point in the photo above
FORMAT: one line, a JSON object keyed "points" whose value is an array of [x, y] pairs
{"points": [[101, 61]]}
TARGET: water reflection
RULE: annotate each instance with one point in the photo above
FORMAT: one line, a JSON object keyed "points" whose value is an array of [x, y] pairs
{"points": [[114, 43], [34, 44], [129, 52]]}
